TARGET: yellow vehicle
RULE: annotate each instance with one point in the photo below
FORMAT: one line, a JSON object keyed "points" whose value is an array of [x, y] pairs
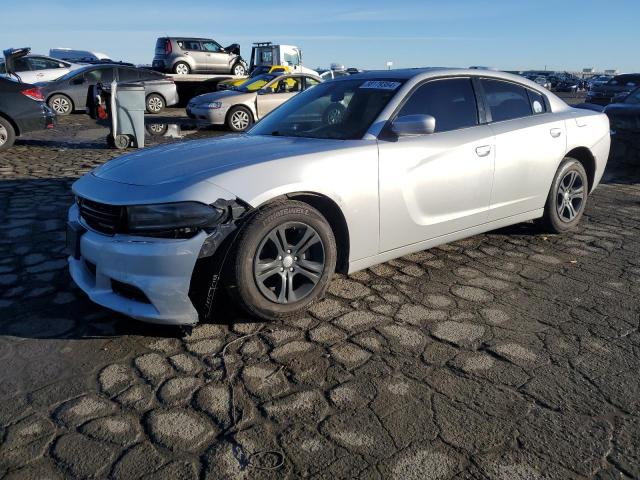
{"points": [[260, 70]]}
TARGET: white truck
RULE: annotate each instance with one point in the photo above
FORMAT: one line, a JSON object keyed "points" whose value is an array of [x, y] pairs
{"points": [[268, 54]]}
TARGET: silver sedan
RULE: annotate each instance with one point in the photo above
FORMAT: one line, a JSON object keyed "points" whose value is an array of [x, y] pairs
{"points": [[351, 173], [240, 107]]}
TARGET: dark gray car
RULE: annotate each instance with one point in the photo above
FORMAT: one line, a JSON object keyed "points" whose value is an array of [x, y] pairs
{"points": [[184, 55], [69, 92]]}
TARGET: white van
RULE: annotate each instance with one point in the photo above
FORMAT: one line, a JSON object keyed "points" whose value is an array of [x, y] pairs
{"points": [[71, 55]]}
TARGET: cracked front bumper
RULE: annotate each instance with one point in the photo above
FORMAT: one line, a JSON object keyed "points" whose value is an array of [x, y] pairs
{"points": [[159, 268]]}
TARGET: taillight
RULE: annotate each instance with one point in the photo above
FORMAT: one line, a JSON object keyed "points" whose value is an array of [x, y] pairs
{"points": [[167, 47], [34, 94]]}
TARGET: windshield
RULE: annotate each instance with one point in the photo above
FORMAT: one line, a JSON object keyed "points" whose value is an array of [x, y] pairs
{"points": [[255, 83], [341, 110]]}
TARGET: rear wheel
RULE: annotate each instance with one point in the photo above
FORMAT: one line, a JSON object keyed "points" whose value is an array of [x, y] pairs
{"points": [[7, 134], [567, 198], [181, 68], [283, 261], [155, 103], [61, 104], [239, 119]]}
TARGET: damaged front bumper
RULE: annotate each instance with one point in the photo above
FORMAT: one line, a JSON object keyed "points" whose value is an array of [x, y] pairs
{"points": [[149, 279]]}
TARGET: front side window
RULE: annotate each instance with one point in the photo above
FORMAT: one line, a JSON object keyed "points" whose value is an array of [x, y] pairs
{"points": [[291, 59], [286, 85], [341, 110], [506, 100], [211, 47], [451, 102]]}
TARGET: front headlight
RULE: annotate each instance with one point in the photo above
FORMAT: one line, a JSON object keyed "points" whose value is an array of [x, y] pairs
{"points": [[173, 220], [213, 105]]}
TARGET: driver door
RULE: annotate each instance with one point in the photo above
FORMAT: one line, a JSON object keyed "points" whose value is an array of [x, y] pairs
{"points": [[436, 184], [216, 59], [277, 92]]}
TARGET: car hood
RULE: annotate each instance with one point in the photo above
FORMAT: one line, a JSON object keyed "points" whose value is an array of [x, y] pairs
{"points": [[199, 160], [224, 95]]}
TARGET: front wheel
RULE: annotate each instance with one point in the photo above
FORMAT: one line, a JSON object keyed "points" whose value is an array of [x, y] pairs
{"points": [[239, 70], [567, 197], [239, 119], [283, 261]]}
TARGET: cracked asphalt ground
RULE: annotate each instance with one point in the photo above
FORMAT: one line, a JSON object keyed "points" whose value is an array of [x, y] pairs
{"points": [[510, 355]]}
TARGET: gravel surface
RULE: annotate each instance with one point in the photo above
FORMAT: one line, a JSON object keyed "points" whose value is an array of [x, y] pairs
{"points": [[510, 355]]}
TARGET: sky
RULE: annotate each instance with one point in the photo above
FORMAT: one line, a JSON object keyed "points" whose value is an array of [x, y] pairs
{"points": [[506, 34]]}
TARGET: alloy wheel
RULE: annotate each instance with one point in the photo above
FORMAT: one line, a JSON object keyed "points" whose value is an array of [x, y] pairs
{"points": [[60, 105], [240, 120], [154, 104], [289, 263], [182, 69], [239, 70], [570, 196], [4, 135]]}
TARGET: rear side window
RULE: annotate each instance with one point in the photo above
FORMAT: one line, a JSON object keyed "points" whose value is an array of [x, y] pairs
{"points": [[451, 102], [190, 45], [128, 75], [506, 100], [538, 105]]}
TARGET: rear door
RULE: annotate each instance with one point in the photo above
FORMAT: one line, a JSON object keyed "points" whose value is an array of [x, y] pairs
{"points": [[193, 49], [436, 184], [530, 143]]}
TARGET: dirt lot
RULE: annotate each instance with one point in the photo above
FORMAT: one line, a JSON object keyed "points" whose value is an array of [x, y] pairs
{"points": [[510, 355]]}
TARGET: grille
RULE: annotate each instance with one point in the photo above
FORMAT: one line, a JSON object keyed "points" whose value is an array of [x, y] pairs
{"points": [[101, 217]]}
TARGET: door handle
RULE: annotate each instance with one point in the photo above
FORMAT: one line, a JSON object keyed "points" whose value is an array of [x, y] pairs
{"points": [[483, 151], [555, 132]]}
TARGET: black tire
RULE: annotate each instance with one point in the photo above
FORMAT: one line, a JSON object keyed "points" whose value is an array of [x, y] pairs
{"points": [[239, 119], [155, 104], [60, 104], [156, 129], [7, 134], [565, 204], [182, 68], [238, 69], [299, 220]]}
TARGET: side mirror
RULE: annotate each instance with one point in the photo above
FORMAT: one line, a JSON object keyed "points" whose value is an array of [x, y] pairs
{"points": [[410, 125]]}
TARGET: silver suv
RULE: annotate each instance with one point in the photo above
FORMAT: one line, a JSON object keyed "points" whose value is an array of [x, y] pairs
{"points": [[183, 55]]}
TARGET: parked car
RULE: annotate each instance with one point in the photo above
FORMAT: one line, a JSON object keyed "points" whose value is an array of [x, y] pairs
{"points": [[79, 56], [542, 81], [240, 108], [261, 70], [419, 159], [69, 93], [598, 80], [624, 117], [34, 68], [184, 55], [620, 84], [22, 110]]}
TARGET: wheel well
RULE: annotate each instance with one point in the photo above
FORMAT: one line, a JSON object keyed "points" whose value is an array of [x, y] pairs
{"points": [[12, 122], [585, 157], [338, 223]]}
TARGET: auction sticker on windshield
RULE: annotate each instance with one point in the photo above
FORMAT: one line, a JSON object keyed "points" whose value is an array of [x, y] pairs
{"points": [[380, 85]]}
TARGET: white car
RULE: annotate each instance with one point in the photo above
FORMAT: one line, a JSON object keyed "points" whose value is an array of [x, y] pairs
{"points": [[417, 158], [39, 68]]}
